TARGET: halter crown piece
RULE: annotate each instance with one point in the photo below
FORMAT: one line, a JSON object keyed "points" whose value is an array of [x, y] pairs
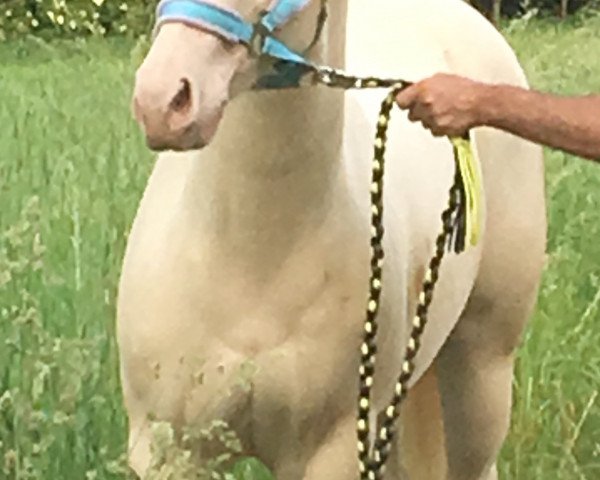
{"points": [[460, 220]]}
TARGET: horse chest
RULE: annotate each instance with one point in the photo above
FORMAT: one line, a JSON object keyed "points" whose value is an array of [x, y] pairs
{"points": [[196, 332]]}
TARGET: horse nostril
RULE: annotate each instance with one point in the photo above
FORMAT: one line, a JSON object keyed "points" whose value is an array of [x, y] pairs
{"points": [[183, 98]]}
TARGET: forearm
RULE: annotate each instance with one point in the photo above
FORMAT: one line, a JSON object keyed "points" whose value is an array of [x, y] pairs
{"points": [[571, 124]]}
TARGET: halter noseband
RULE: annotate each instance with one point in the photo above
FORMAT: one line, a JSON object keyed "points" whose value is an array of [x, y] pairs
{"points": [[289, 67]]}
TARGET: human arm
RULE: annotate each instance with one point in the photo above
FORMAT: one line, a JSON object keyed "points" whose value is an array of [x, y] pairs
{"points": [[450, 105]]}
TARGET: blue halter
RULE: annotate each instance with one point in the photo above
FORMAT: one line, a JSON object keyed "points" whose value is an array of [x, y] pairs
{"points": [[289, 66]]}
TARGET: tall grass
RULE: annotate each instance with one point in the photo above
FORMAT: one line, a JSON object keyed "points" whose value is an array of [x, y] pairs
{"points": [[555, 431], [72, 170]]}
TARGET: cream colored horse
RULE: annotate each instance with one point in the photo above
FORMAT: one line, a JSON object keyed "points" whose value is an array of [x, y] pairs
{"points": [[253, 244]]}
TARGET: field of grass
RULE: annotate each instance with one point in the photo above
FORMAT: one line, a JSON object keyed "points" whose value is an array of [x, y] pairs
{"points": [[72, 169], [556, 422]]}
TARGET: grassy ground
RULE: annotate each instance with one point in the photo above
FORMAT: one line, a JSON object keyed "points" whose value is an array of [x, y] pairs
{"points": [[72, 169]]}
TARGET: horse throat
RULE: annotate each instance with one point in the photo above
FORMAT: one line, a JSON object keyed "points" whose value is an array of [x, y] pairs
{"points": [[273, 170]]}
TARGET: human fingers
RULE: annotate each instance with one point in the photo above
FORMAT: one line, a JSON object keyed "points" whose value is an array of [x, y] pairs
{"points": [[419, 112], [407, 97]]}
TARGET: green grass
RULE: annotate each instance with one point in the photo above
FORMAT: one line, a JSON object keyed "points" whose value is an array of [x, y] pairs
{"points": [[556, 421], [72, 170]]}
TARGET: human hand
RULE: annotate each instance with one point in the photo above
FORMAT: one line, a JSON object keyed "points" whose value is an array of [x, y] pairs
{"points": [[447, 105]]}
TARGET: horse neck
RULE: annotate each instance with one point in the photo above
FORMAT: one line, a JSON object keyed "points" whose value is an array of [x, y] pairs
{"points": [[273, 170]]}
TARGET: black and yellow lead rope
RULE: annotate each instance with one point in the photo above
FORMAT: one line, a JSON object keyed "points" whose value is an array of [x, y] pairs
{"points": [[460, 226]]}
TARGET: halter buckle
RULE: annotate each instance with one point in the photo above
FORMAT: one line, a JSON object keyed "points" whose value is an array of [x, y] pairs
{"points": [[260, 33]]}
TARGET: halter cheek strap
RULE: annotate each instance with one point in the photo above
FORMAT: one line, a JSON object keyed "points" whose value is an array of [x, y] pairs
{"points": [[280, 12], [289, 67]]}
